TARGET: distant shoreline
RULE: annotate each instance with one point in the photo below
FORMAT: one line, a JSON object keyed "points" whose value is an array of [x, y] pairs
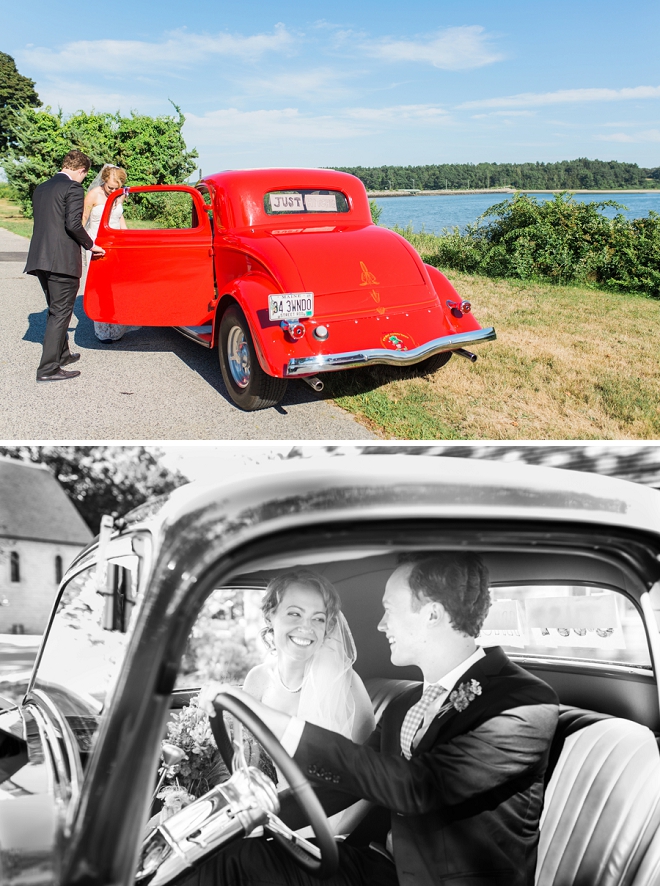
{"points": [[417, 192]]}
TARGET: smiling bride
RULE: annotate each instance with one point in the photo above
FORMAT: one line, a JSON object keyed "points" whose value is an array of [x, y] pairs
{"points": [[309, 671]]}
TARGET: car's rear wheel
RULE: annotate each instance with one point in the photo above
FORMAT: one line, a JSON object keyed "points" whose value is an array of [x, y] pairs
{"points": [[249, 386], [432, 364]]}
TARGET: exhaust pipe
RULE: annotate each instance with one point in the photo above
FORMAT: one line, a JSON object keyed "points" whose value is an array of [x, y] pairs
{"points": [[467, 354], [314, 382]]}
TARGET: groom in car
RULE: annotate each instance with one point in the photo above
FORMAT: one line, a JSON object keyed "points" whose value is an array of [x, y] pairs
{"points": [[457, 762], [55, 259]]}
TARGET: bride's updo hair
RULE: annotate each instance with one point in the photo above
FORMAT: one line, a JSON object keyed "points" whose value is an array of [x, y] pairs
{"points": [[278, 586], [117, 171]]}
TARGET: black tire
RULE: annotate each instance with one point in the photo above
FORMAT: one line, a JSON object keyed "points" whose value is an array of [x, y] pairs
{"points": [[432, 364], [249, 386]]}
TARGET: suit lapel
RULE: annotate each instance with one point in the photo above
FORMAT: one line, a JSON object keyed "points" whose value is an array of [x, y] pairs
{"points": [[481, 671]]}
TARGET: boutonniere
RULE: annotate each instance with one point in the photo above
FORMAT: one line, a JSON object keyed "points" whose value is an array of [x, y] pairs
{"points": [[461, 697]]}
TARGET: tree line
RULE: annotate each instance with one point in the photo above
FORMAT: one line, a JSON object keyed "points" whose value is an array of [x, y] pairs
{"points": [[577, 174]]}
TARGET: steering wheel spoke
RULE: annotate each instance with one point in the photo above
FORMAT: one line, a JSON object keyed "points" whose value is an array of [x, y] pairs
{"points": [[292, 840], [320, 861], [238, 761]]}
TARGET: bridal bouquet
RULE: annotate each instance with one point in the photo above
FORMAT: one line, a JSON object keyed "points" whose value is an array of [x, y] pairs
{"points": [[203, 767]]}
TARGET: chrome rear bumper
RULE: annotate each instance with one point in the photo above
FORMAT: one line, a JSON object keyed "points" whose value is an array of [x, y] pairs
{"points": [[334, 362]]}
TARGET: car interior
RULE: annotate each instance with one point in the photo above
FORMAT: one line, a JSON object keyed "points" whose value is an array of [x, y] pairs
{"points": [[565, 606], [570, 616]]}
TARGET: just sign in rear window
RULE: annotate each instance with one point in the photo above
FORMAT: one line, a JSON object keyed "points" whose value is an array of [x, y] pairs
{"points": [[304, 201]]}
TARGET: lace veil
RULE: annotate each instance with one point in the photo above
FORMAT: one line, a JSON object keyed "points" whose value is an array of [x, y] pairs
{"points": [[326, 698]]}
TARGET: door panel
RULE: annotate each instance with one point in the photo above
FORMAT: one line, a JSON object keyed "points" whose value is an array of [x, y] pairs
{"points": [[154, 276]]}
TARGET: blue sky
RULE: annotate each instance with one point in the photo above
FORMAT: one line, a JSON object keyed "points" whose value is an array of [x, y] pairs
{"points": [[360, 83]]}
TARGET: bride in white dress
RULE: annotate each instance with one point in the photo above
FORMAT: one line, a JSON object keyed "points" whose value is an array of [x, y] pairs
{"points": [[310, 671], [109, 179]]}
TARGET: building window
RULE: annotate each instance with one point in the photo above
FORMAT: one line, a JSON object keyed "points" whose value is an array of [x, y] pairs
{"points": [[58, 569], [15, 565]]}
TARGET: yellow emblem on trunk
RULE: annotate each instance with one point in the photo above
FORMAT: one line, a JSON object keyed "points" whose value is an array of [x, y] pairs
{"points": [[367, 278]]}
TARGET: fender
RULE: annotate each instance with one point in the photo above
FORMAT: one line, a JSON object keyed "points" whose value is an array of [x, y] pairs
{"points": [[251, 293], [29, 821], [269, 256], [461, 322]]}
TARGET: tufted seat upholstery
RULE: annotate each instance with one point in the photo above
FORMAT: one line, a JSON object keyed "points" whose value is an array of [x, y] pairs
{"points": [[602, 808], [601, 820]]}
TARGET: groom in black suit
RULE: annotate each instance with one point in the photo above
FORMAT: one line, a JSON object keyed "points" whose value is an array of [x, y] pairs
{"points": [[457, 762], [55, 258]]}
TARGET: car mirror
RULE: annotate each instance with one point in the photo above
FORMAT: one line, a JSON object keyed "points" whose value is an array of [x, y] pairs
{"points": [[114, 581], [119, 596]]}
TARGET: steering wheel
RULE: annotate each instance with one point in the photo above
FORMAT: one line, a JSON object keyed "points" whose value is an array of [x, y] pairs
{"points": [[320, 861]]}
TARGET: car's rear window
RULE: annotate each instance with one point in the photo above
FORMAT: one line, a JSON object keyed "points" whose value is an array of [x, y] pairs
{"points": [[581, 622], [303, 201]]}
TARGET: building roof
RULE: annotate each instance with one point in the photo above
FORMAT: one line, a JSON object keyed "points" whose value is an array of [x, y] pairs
{"points": [[34, 506], [638, 463]]}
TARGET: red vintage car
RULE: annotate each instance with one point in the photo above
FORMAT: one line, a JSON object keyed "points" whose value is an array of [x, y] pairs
{"points": [[285, 273]]}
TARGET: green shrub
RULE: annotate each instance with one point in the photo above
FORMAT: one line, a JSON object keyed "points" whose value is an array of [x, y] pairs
{"points": [[376, 211], [559, 241], [151, 149]]}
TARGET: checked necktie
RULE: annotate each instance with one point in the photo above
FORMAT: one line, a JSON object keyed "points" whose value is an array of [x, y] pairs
{"points": [[415, 717]]}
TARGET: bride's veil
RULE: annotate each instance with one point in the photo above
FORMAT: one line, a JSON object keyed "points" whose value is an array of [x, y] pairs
{"points": [[97, 181], [326, 698]]}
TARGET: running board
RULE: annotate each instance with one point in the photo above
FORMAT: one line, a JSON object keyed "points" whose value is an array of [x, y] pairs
{"points": [[201, 334]]}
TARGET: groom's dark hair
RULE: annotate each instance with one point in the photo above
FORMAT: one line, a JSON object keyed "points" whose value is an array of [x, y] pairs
{"points": [[76, 160], [457, 580]]}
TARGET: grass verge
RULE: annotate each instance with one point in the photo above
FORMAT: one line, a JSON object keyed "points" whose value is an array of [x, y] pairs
{"points": [[569, 364], [12, 218]]}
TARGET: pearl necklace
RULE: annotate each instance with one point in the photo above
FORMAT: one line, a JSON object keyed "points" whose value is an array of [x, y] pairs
{"points": [[283, 684]]}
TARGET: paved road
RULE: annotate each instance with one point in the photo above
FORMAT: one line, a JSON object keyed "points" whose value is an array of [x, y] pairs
{"points": [[152, 385]]}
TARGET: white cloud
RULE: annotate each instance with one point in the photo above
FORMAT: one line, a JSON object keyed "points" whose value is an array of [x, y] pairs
{"points": [[566, 96], [504, 114], [319, 83], [72, 95], [397, 113], [232, 126], [650, 135], [179, 49], [453, 49]]}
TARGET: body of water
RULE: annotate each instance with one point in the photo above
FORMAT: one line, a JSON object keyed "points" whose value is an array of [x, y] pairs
{"points": [[437, 211]]}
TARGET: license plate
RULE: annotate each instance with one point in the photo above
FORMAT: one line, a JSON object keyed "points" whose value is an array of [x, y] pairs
{"points": [[290, 305]]}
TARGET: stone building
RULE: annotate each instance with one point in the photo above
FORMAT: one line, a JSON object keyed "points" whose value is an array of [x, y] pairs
{"points": [[40, 534]]}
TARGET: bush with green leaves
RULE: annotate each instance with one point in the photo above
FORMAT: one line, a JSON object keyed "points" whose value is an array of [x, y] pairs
{"points": [[376, 211], [562, 240], [151, 149]]}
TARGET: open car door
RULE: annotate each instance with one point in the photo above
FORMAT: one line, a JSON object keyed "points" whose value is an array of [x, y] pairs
{"points": [[159, 270]]}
